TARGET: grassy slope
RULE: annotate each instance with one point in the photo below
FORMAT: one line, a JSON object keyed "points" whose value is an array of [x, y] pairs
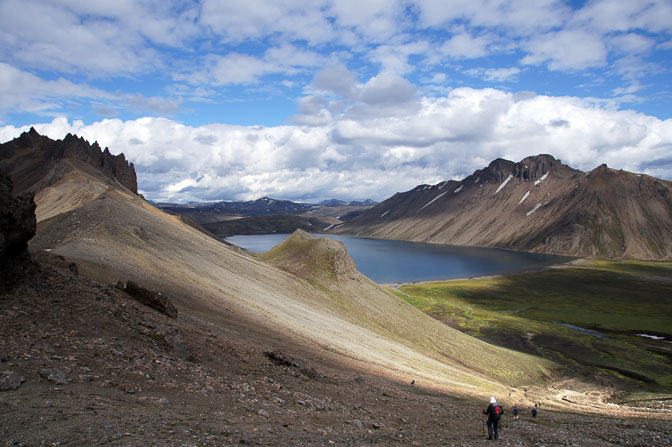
{"points": [[326, 265], [119, 236], [618, 299]]}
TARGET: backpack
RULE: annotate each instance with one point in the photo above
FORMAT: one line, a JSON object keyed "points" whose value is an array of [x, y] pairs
{"points": [[497, 411]]}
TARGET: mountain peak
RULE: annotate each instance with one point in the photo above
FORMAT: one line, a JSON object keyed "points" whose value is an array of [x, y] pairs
{"points": [[41, 151], [538, 204], [318, 259]]}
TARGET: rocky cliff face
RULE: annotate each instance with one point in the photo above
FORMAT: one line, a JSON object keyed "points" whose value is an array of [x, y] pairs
{"points": [[35, 154], [17, 227]]}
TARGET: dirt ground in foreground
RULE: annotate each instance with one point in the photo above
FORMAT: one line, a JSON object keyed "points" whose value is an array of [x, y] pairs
{"points": [[101, 369]]}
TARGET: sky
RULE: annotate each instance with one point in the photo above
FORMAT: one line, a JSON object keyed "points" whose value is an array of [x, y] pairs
{"points": [[350, 99]]}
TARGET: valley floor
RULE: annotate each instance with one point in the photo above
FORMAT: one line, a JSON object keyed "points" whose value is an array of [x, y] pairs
{"points": [[131, 376]]}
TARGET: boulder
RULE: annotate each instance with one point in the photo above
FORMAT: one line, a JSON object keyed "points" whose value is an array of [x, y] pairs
{"points": [[10, 380], [148, 297], [54, 375]]}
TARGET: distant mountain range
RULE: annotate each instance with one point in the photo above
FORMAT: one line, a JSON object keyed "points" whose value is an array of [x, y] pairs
{"points": [[539, 205], [260, 207], [336, 202], [264, 206], [267, 215]]}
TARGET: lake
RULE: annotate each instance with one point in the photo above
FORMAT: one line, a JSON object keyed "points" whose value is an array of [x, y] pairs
{"points": [[386, 261]]}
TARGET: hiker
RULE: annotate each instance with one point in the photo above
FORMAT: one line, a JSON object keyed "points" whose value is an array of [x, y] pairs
{"points": [[534, 412], [515, 411], [494, 413]]}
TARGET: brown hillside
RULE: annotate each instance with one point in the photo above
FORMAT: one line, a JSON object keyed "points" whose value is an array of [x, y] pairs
{"points": [[538, 204], [116, 235], [298, 350]]}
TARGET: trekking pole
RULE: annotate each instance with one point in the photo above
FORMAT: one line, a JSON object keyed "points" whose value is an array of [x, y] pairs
{"points": [[484, 426]]}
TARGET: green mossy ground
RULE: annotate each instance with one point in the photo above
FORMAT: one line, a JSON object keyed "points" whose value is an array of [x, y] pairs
{"points": [[525, 312]]}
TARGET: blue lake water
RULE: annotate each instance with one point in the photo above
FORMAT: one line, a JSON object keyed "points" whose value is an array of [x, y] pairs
{"points": [[386, 261]]}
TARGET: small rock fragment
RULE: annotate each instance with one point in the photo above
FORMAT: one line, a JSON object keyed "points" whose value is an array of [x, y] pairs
{"points": [[10, 380], [54, 375]]}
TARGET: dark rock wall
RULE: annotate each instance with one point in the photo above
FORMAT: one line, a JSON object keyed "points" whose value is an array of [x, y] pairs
{"points": [[112, 166], [17, 227]]}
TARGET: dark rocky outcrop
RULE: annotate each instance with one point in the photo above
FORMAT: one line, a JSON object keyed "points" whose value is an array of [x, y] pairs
{"points": [[149, 298], [17, 227], [33, 152]]}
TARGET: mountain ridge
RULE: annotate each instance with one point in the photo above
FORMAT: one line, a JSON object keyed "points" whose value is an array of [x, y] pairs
{"points": [[539, 205], [31, 156]]}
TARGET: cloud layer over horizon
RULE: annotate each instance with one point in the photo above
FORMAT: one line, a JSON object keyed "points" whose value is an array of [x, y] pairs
{"points": [[220, 99], [387, 140]]}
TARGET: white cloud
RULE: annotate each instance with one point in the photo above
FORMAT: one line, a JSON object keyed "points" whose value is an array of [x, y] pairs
{"points": [[97, 38], [377, 20], [463, 45], [337, 80], [394, 58], [616, 15], [387, 89], [239, 68], [354, 155], [385, 95], [235, 21], [567, 50], [517, 16], [24, 92], [627, 90], [495, 74], [632, 43]]}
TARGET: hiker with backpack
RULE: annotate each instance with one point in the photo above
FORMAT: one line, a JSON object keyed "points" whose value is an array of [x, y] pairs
{"points": [[494, 413]]}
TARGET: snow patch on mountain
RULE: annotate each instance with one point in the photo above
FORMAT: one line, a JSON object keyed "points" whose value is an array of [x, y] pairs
{"points": [[524, 197], [543, 177], [536, 207], [508, 179], [432, 201]]}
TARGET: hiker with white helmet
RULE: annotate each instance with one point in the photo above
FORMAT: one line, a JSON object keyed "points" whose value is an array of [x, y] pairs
{"points": [[494, 413]]}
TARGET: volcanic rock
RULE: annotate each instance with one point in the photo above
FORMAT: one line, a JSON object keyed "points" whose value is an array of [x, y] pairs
{"points": [[149, 298], [31, 157], [10, 380], [17, 227], [54, 375]]}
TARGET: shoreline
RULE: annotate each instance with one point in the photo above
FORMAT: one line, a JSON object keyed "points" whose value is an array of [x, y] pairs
{"points": [[573, 263]]}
